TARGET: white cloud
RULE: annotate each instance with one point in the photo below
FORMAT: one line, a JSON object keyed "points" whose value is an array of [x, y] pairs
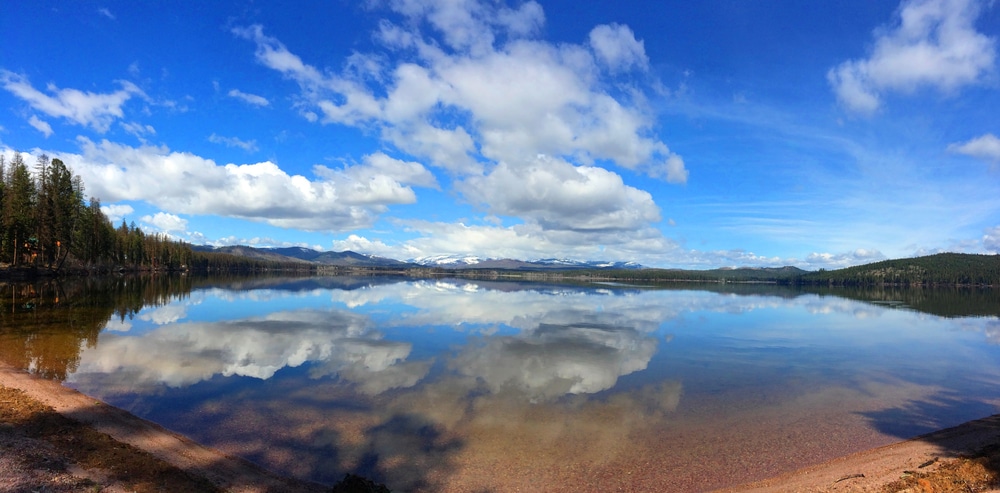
{"points": [[163, 315], [256, 241], [118, 325], [139, 130], [379, 164], [183, 183], [95, 110], [479, 97], [249, 146], [116, 212], [673, 170], [840, 260], [106, 13], [991, 240], [932, 43], [40, 125], [616, 47], [468, 25], [168, 223], [178, 355], [553, 359], [985, 147], [357, 243], [251, 99], [531, 241], [273, 54], [559, 196]]}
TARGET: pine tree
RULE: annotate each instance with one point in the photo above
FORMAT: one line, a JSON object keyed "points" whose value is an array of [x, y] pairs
{"points": [[44, 213], [19, 210], [3, 223], [65, 203]]}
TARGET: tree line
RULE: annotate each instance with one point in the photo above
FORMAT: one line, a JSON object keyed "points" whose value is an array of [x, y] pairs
{"points": [[46, 224], [951, 269]]}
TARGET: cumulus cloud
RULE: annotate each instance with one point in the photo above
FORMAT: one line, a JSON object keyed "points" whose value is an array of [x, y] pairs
{"points": [[991, 240], [251, 99], [256, 241], [168, 223], [183, 183], [164, 315], [475, 93], [116, 212], [554, 360], [378, 165], [859, 256], [470, 25], [551, 194], [531, 241], [118, 325], [178, 355], [932, 43], [40, 125], [985, 147], [616, 47], [249, 146], [94, 110]]}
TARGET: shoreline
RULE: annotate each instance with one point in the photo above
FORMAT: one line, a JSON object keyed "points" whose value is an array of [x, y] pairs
{"points": [[866, 470], [224, 471]]}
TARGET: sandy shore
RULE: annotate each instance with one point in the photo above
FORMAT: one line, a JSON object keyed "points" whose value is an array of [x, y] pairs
{"points": [[226, 472], [864, 471], [870, 470]]}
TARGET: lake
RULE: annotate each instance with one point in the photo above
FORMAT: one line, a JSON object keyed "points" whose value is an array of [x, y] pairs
{"points": [[462, 385]]}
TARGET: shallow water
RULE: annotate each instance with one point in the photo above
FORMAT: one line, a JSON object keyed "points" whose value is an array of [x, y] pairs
{"points": [[483, 386]]}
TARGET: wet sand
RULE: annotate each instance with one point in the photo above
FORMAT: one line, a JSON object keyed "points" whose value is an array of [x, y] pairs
{"points": [[227, 472], [786, 455]]}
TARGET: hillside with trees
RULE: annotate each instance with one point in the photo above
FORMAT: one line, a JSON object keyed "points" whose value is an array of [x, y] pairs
{"points": [[951, 269]]}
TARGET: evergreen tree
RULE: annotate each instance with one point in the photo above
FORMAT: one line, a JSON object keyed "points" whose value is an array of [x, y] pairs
{"points": [[3, 223], [19, 211], [65, 203]]}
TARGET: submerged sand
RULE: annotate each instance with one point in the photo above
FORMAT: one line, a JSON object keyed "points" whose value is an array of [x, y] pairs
{"points": [[862, 471]]}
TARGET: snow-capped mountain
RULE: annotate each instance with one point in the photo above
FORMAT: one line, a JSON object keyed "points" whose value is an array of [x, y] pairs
{"points": [[349, 259], [447, 260], [475, 262]]}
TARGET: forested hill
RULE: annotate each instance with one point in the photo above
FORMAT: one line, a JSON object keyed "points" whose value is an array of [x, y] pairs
{"points": [[939, 269]]}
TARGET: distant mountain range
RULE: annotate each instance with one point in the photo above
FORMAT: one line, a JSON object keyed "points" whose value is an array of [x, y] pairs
{"points": [[306, 255], [353, 259], [473, 262], [939, 269]]}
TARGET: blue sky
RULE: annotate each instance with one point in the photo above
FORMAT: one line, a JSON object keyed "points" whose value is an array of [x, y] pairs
{"points": [[671, 133]]}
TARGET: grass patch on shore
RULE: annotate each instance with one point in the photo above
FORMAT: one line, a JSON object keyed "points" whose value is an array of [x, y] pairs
{"points": [[975, 474]]}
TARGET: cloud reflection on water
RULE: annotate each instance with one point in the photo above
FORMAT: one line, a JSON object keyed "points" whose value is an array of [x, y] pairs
{"points": [[413, 381], [183, 354], [567, 340], [557, 359]]}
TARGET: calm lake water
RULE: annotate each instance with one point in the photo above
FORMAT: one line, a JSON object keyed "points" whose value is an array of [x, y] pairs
{"points": [[456, 385]]}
